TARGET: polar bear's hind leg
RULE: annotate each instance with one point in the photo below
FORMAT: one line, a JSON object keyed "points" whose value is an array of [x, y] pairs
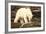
{"points": [[16, 19]]}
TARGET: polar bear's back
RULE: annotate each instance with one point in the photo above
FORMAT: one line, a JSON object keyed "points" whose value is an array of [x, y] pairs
{"points": [[21, 12]]}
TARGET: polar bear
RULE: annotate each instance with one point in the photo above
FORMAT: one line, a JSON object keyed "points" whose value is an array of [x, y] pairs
{"points": [[23, 13]]}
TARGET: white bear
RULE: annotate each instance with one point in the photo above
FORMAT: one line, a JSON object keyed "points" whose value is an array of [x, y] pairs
{"points": [[23, 13]]}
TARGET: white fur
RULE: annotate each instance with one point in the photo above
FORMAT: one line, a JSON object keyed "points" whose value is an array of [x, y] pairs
{"points": [[23, 13]]}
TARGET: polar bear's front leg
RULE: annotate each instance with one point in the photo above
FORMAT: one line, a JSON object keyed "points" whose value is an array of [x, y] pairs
{"points": [[30, 17], [29, 20], [25, 19]]}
